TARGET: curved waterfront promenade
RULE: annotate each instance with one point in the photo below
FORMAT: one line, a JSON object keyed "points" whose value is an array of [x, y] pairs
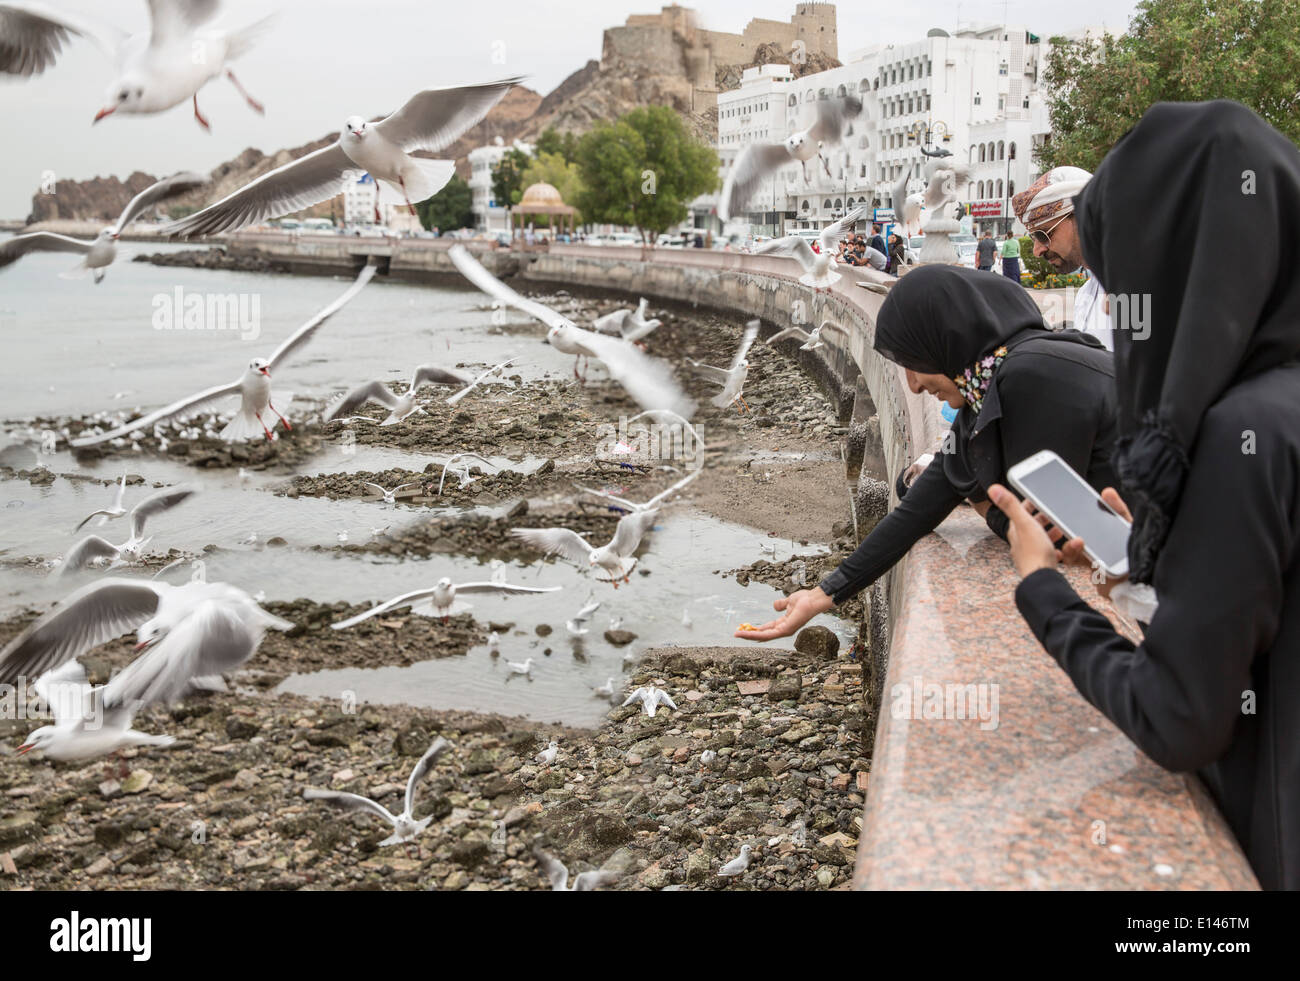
{"points": [[1033, 788]]}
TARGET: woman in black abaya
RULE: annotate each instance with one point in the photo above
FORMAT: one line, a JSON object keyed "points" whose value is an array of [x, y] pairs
{"points": [[977, 342], [1209, 464]]}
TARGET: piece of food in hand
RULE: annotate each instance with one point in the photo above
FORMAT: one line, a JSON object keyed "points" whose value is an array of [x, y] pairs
{"points": [[746, 626]]}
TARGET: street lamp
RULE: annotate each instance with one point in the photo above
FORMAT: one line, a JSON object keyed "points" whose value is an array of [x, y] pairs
{"points": [[1006, 208]]}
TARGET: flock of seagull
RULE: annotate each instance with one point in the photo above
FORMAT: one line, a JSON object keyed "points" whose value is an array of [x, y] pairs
{"points": [[189, 636]]}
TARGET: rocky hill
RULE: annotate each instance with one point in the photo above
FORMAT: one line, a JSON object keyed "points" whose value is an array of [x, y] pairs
{"points": [[728, 76]]}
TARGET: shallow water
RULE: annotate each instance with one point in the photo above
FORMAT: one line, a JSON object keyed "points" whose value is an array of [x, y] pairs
{"points": [[91, 342]]}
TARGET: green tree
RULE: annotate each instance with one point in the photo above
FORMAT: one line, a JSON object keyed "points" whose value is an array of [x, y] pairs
{"points": [[1174, 51], [507, 177], [553, 141], [643, 170], [450, 208], [553, 169]]}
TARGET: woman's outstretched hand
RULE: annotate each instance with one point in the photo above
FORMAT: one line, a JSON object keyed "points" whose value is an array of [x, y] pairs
{"points": [[799, 608], [1031, 547]]}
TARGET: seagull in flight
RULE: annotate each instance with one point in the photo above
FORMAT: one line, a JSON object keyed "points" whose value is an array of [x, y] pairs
{"points": [[818, 271], [558, 875], [651, 698], [93, 548], [650, 505], [401, 406], [253, 387], [731, 379], [462, 470], [430, 120], [405, 827], [193, 631], [389, 496], [631, 325], [615, 557], [439, 600], [578, 625], [100, 252], [155, 70], [114, 510], [757, 163], [649, 381], [812, 340], [83, 728]]}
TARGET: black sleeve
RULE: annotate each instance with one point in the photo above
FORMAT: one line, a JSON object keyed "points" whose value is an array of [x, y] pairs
{"points": [[1178, 695], [929, 500]]}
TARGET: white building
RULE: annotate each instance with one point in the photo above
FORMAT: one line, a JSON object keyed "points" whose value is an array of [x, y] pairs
{"points": [[961, 91], [489, 214], [359, 207]]}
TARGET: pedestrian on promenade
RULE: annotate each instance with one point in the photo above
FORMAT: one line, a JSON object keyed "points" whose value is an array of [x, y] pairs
{"points": [[986, 251], [1011, 258], [1210, 460], [979, 343]]}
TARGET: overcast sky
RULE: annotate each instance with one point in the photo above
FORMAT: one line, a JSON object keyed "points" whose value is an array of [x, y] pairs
{"points": [[328, 59]]}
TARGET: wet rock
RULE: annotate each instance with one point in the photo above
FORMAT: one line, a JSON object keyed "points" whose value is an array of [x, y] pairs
{"points": [[787, 686], [619, 638], [238, 728], [817, 641]]}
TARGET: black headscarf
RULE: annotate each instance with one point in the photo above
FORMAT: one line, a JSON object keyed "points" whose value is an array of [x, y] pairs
{"points": [[1167, 217], [940, 320]]}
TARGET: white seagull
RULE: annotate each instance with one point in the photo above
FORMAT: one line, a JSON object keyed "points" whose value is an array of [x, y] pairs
{"points": [[547, 756], [405, 826], [818, 269], [461, 471], [93, 548], [150, 505], [650, 698], [401, 406], [631, 325], [521, 667], [737, 865], [578, 625], [389, 496], [195, 630], [114, 510], [647, 380], [100, 252], [757, 163], [615, 557], [155, 71], [439, 600], [430, 120], [650, 505], [83, 728], [558, 875], [731, 379], [253, 387], [607, 689], [812, 340]]}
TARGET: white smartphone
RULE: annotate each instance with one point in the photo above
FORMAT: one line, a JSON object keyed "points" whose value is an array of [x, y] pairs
{"points": [[1074, 507]]}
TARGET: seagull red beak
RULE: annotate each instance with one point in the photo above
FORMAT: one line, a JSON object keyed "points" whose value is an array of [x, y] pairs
{"points": [[265, 372], [102, 113], [26, 748]]}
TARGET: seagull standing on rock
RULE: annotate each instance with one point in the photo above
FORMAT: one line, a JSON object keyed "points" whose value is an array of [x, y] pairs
{"points": [[439, 600], [547, 756], [99, 253], [405, 827], [155, 71], [253, 387], [737, 865], [430, 120]]}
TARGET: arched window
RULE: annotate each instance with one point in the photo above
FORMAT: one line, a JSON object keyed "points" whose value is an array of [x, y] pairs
{"points": [[983, 150], [804, 206], [841, 91], [827, 204], [823, 94], [838, 204], [809, 96], [1011, 148], [981, 189], [999, 189], [1011, 189], [973, 152], [1002, 150], [864, 86], [793, 100]]}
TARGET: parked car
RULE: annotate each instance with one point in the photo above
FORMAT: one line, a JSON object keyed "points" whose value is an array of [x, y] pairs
{"points": [[966, 245]]}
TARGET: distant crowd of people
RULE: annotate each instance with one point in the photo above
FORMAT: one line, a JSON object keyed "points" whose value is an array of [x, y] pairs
{"points": [[857, 250]]}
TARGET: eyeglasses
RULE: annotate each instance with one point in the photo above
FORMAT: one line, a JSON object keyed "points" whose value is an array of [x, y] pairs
{"points": [[1043, 236]]}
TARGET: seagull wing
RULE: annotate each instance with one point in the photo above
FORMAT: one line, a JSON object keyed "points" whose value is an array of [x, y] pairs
{"points": [[630, 505], [663, 698], [746, 342], [376, 488], [350, 802], [87, 550], [309, 180], [401, 487], [473, 270], [556, 541], [435, 118], [406, 599], [304, 334], [64, 690], [18, 246], [169, 187], [719, 375], [86, 618], [587, 881], [432, 374], [832, 116], [164, 500], [120, 491], [32, 36], [795, 332], [755, 165], [791, 245], [649, 381], [430, 757], [611, 323], [631, 529], [475, 383], [374, 391], [213, 639], [832, 233], [173, 20], [663, 495], [186, 405], [502, 587], [555, 871], [639, 693], [93, 514], [833, 327]]}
